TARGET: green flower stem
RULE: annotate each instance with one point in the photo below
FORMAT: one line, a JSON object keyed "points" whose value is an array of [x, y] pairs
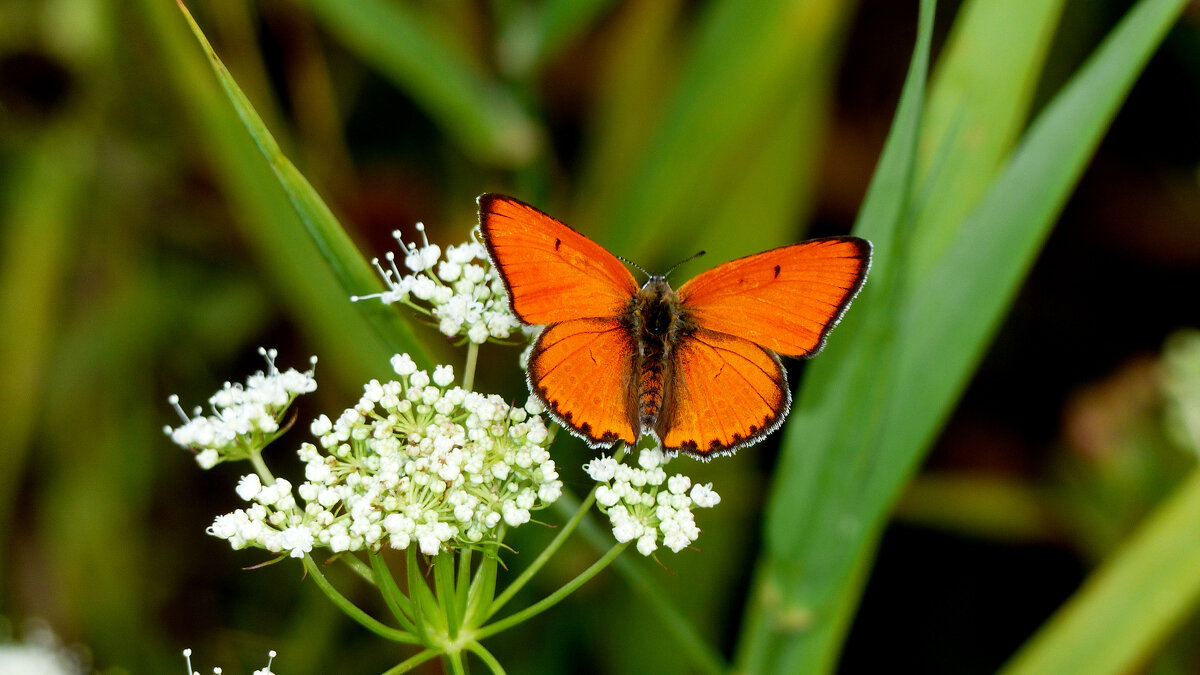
{"points": [[555, 597], [443, 580], [456, 663], [357, 566], [693, 646], [486, 656], [260, 467], [412, 662], [350, 609], [462, 588], [544, 556], [428, 614], [469, 369], [396, 601], [483, 589]]}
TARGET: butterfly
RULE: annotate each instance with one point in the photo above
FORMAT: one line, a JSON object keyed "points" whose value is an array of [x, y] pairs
{"points": [[699, 367]]}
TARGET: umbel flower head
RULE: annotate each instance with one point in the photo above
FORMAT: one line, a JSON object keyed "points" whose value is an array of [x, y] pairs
{"points": [[245, 418], [415, 462], [463, 292], [638, 507]]}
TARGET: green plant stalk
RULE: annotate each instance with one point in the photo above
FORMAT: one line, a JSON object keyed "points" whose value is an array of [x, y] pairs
{"points": [[412, 662], [396, 601], [351, 610], [469, 369], [483, 589], [554, 598], [40, 212], [358, 567], [1132, 603], [424, 604], [260, 467], [455, 660], [463, 587], [447, 598], [544, 556], [486, 656], [348, 266]]}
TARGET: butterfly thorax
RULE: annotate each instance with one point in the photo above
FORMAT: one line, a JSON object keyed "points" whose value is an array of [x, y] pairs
{"points": [[656, 320]]}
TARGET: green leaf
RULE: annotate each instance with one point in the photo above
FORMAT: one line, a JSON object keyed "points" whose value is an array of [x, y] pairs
{"points": [[873, 403], [338, 252], [978, 101], [477, 111], [720, 120], [1132, 603], [823, 455]]}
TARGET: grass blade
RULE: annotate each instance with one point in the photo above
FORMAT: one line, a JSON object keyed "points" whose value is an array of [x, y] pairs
{"points": [[339, 253], [978, 101], [1130, 605], [871, 407], [482, 116], [717, 112], [814, 465]]}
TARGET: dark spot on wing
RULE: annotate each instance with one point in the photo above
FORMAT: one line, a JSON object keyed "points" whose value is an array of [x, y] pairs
{"points": [[777, 268], [558, 242]]}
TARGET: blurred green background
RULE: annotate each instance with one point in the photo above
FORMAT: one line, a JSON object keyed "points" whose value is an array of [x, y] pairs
{"points": [[147, 250]]}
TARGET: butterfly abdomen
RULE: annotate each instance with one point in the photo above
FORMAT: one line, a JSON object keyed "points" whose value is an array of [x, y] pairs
{"points": [[655, 320]]}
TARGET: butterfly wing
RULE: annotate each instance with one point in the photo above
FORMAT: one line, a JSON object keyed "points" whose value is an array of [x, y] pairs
{"points": [[723, 392], [786, 299], [552, 272], [582, 370]]}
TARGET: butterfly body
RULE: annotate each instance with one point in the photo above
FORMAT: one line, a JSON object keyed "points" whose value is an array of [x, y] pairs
{"points": [[697, 367]]}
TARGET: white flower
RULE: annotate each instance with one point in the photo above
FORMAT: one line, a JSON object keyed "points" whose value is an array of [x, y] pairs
{"points": [[704, 496], [466, 299], [245, 417], [298, 539], [410, 463], [638, 507], [249, 487]]}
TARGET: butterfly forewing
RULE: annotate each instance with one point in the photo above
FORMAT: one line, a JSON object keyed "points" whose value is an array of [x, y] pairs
{"points": [[552, 272], [786, 299]]}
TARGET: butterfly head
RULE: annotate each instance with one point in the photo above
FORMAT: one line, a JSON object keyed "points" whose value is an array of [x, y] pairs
{"points": [[656, 308]]}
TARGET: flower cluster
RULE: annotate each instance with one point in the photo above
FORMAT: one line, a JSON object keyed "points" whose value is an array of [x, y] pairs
{"points": [[463, 292], [416, 461], [245, 418], [637, 506]]}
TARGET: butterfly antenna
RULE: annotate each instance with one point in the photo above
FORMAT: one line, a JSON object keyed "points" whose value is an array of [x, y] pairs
{"points": [[630, 262], [686, 260]]}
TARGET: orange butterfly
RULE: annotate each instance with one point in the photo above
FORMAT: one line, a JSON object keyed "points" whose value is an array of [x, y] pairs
{"points": [[698, 368]]}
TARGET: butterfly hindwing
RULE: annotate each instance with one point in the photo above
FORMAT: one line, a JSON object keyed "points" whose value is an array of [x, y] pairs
{"points": [[552, 272], [786, 299], [724, 392], [582, 371]]}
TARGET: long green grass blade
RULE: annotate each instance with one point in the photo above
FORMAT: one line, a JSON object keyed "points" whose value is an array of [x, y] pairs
{"points": [[872, 405], [1130, 605], [979, 98], [39, 215], [480, 114], [713, 120], [815, 464], [337, 251]]}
